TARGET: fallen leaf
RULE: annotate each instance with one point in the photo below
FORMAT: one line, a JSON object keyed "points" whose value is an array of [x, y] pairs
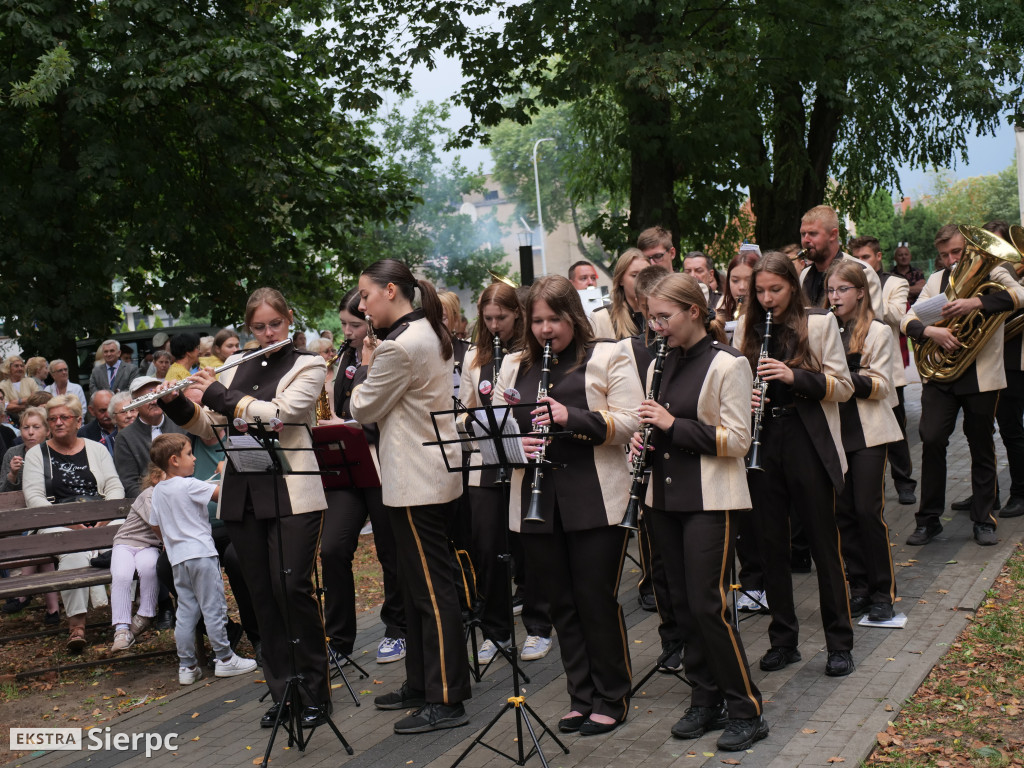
{"points": [[730, 761], [809, 730], [195, 715], [195, 739], [258, 760], [120, 692], [708, 754], [229, 701], [942, 591], [837, 759]]}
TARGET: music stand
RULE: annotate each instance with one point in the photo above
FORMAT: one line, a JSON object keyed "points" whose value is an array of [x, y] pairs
{"points": [[343, 454], [267, 442], [493, 426]]}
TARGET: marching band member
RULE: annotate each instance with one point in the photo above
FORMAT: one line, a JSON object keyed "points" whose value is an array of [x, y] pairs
{"points": [[498, 314], [802, 452], [578, 547], [348, 509], [975, 390], [623, 318], [284, 384], [409, 377], [702, 434], [868, 424]]}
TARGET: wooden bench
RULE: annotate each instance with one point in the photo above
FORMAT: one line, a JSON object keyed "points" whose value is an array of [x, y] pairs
{"points": [[17, 550]]}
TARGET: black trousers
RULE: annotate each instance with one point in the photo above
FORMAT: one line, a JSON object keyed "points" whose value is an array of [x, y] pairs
{"points": [[860, 512], [900, 464], [233, 568], [580, 571], [748, 552], [697, 550], [256, 541], [654, 580], [939, 409], [347, 511], [794, 474], [1010, 417], [536, 614], [435, 658]]}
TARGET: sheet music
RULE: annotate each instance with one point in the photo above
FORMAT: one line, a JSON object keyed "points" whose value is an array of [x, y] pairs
{"points": [[510, 441], [248, 460], [929, 311]]}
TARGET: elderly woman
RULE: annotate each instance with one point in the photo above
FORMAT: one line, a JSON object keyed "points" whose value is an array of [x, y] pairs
{"points": [[33, 432], [70, 468], [162, 361], [16, 386], [37, 368], [61, 385]]}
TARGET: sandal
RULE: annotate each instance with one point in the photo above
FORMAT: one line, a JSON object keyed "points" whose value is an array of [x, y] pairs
{"points": [[76, 641]]}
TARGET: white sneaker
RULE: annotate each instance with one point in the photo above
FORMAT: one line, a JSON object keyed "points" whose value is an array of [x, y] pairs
{"points": [[391, 649], [488, 650], [189, 675], [753, 602], [123, 640], [535, 647], [236, 665]]}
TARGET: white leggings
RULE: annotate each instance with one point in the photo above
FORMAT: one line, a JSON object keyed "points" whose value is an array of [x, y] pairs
{"points": [[125, 562]]}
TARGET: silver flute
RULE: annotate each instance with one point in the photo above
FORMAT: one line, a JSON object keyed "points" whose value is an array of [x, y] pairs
{"points": [[186, 383]]}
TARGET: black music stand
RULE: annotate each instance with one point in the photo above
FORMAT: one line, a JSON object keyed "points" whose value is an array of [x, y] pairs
{"points": [[493, 427], [343, 455], [267, 442]]}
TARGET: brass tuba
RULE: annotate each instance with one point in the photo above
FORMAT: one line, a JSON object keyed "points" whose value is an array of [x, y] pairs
{"points": [[983, 252]]}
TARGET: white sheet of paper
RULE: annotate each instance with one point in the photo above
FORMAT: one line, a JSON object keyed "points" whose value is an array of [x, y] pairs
{"points": [[929, 311], [510, 441], [899, 621], [248, 460]]}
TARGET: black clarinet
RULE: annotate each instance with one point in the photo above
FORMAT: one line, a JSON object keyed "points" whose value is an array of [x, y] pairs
{"points": [[762, 387], [639, 463], [533, 514], [497, 357]]}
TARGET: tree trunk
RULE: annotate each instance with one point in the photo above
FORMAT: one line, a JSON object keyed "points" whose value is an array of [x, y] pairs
{"points": [[652, 173]]}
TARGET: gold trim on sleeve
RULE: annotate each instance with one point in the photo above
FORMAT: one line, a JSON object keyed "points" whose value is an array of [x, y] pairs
{"points": [[830, 386], [721, 441], [195, 416], [609, 424], [875, 385], [242, 405]]}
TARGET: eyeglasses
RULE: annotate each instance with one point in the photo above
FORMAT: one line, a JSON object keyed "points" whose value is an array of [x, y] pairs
{"points": [[274, 325], [58, 370], [840, 291], [662, 322], [55, 419], [655, 257]]}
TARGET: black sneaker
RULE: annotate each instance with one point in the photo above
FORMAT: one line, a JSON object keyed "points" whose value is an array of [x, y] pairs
{"points": [[648, 603], [839, 664], [740, 734], [670, 661], [1014, 507], [518, 601], [404, 698], [924, 533], [985, 534], [880, 612], [433, 717], [699, 720], [907, 497], [963, 504], [859, 606], [779, 657]]}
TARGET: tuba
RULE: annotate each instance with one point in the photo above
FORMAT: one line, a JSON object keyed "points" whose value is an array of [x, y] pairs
{"points": [[983, 252], [1015, 323]]}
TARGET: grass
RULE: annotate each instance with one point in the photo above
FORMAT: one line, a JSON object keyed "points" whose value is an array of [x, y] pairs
{"points": [[969, 712]]}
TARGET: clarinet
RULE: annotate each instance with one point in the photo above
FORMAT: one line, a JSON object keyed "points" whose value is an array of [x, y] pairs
{"points": [[639, 462], [762, 387], [497, 357], [533, 514]]}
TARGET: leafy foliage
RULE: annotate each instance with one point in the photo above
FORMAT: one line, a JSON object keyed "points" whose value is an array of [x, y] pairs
{"points": [[196, 150]]}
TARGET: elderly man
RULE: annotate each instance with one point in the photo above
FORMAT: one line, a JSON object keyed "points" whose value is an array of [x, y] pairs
{"points": [[131, 457], [102, 428], [61, 385], [114, 374], [121, 417]]}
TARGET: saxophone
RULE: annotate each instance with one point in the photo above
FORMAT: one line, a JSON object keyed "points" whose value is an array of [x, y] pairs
{"points": [[533, 514], [639, 462], [762, 387], [323, 402]]}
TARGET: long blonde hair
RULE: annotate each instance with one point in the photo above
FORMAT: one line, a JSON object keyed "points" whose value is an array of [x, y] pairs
{"points": [[620, 313], [853, 273]]}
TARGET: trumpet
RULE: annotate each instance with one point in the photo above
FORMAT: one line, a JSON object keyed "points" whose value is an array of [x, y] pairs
{"points": [[186, 383], [762, 387], [639, 462], [533, 514]]}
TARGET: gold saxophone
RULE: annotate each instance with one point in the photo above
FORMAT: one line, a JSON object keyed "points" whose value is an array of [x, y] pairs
{"points": [[983, 252], [323, 402]]}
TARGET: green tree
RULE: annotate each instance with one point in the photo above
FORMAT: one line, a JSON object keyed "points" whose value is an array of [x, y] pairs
{"points": [[799, 101], [195, 150], [917, 228], [878, 219], [976, 200]]}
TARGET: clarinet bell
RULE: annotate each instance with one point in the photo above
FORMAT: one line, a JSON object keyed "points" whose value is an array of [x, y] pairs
{"points": [[631, 519], [754, 462], [533, 514]]}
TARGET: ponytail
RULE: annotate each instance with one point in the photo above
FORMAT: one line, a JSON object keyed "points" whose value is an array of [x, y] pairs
{"points": [[433, 311], [394, 271]]}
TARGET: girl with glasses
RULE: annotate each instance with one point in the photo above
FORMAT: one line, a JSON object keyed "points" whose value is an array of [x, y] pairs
{"points": [[803, 459], [702, 432], [868, 425]]}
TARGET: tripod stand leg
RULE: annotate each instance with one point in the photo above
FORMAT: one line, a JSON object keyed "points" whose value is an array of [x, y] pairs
{"points": [[332, 656], [328, 721], [545, 727]]}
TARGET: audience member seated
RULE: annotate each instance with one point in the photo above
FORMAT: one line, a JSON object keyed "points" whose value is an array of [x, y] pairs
{"points": [[37, 368], [114, 374], [131, 455], [185, 351], [16, 387], [61, 385], [102, 428]]}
